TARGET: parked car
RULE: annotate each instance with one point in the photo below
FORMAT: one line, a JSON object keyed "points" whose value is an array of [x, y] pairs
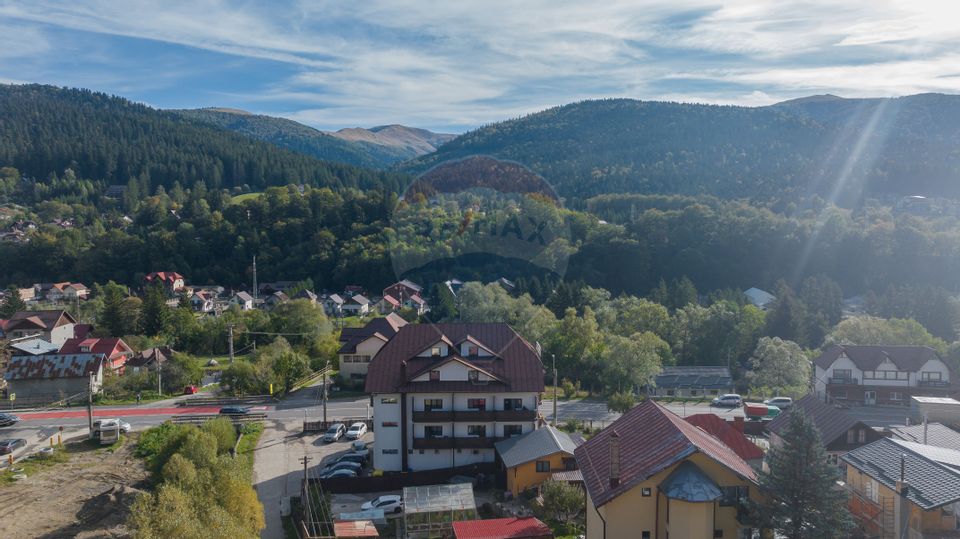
{"points": [[335, 432], [359, 458], [234, 410], [124, 426], [341, 472], [390, 503], [8, 419], [730, 400], [190, 390], [9, 446], [356, 431], [343, 465], [783, 403]]}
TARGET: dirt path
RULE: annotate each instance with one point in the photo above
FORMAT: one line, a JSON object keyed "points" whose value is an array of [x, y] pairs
{"points": [[86, 497]]}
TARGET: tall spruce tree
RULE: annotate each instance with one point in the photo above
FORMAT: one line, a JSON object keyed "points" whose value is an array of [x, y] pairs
{"points": [[803, 499], [12, 303], [155, 314]]}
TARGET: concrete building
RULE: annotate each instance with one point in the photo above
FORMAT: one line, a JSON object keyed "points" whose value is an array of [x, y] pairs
{"points": [[52, 326], [359, 345], [444, 394], [51, 377], [881, 374]]}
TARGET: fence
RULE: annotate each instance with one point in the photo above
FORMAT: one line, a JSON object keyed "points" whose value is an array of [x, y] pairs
{"points": [[52, 400], [200, 418], [321, 426], [396, 481]]}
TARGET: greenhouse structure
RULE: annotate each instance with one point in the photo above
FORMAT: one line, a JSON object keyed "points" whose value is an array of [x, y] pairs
{"points": [[430, 511]]}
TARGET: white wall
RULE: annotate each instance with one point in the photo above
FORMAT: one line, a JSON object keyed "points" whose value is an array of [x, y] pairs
{"points": [[60, 334], [934, 365], [386, 437], [428, 351]]}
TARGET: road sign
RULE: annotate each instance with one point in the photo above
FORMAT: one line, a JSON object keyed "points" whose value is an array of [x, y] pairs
{"points": [[13, 396]]}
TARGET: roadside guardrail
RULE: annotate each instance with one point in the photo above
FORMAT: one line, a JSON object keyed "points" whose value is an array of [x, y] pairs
{"points": [[200, 418]]}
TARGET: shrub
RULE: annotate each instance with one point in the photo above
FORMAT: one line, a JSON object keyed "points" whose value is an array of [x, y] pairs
{"points": [[223, 430], [156, 445]]}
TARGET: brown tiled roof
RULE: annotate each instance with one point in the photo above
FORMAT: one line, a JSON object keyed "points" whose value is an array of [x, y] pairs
{"points": [[148, 356], [46, 320], [652, 439], [832, 422], [386, 327], [49, 366], [734, 439], [516, 362], [867, 358]]}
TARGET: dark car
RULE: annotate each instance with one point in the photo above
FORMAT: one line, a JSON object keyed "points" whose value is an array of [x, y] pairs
{"points": [[9, 446], [353, 457], [8, 419], [234, 410]]}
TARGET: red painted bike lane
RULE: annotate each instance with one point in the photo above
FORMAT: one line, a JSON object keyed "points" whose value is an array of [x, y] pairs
{"points": [[123, 412]]}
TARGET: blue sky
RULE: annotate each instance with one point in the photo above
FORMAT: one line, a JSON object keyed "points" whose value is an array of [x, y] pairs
{"points": [[451, 66]]}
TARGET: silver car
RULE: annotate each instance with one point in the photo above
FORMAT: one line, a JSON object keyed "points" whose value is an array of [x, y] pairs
{"points": [[335, 432]]}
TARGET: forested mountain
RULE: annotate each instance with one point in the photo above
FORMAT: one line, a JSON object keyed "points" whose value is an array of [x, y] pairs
{"points": [[844, 149], [378, 147], [45, 130]]}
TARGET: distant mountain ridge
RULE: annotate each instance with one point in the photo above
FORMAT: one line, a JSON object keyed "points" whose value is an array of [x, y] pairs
{"points": [[378, 147], [828, 146]]}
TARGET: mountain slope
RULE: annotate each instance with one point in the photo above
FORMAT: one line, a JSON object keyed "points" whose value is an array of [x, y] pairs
{"points": [[45, 130], [379, 147], [827, 146]]}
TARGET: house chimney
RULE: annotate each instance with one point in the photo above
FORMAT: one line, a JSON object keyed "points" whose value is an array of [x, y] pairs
{"points": [[902, 505], [924, 429], [738, 423], [614, 459]]}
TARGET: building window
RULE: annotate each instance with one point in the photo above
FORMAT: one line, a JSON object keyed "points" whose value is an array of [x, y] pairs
{"points": [[543, 466], [862, 436], [477, 430], [473, 351], [477, 404], [732, 495], [435, 351], [896, 396], [844, 374], [927, 375], [430, 405], [433, 431], [390, 451], [388, 400], [434, 376], [512, 404], [510, 431], [646, 492], [850, 436], [717, 533], [671, 392], [839, 394], [645, 534], [389, 424], [473, 376]]}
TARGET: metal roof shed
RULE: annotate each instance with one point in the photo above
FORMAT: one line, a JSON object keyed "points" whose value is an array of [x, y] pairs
{"points": [[430, 511]]}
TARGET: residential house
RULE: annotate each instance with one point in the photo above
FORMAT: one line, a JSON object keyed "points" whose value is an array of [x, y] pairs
{"points": [[881, 374], [689, 381], [33, 347], [352, 289], [502, 528], [172, 281], [275, 299], [279, 286], [904, 489], [75, 291], [355, 305], [935, 434], [652, 475], [307, 295], [150, 359], [333, 305], [506, 284], [52, 377], [359, 345], [243, 300], [113, 349], [839, 431], [202, 302], [732, 436], [52, 326], [531, 459], [759, 298], [52, 292], [388, 304], [444, 394], [403, 290]]}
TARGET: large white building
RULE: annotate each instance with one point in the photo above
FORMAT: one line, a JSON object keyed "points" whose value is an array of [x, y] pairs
{"points": [[444, 394]]}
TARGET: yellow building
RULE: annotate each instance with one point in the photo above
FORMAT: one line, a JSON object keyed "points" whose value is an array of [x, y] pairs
{"points": [[896, 485], [530, 459], [652, 475]]}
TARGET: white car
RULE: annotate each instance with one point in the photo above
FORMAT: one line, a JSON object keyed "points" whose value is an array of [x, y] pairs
{"points": [[335, 432], [782, 403], [125, 427], [357, 430], [731, 400], [391, 503]]}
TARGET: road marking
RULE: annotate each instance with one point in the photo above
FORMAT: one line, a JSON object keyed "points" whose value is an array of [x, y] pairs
{"points": [[125, 412]]}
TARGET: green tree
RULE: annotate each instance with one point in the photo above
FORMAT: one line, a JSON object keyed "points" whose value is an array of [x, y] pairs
{"points": [[240, 378], [787, 316], [563, 504], [443, 306], [779, 364], [869, 330], [12, 303], [121, 313], [621, 402], [632, 362], [578, 344], [802, 498], [155, 315]]}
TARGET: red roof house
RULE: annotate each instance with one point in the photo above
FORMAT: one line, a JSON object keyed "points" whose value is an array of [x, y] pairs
{"points": [[502, 528], [171, 280], [113, 349], [729, 435]]}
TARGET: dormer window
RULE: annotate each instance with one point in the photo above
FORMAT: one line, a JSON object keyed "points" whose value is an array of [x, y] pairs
{"points": [[473, 351], [435, 352], [435, 376], [473, 376]]}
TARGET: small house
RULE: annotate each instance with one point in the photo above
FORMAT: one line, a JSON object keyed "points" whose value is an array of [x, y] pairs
{"points": [[531, 459]]}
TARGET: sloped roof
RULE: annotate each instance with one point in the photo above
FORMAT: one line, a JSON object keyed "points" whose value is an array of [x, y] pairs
{"points": [[652, 439], [243, 296], [516, 362], [164, 276], [35, 347], [358, 299], [151, 355], [758, 297], [832, 422], [501, 528], [108, 345], [50, 366], [410, 284], [336, 298], [533, 445], [687, 482], [45, 320], [932, 483], [938, 435], [386, 327], [391, 300], [694, 377], [734, 439], [868, 358]]}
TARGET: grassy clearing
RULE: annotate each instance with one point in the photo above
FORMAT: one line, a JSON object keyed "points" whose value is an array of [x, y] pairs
{"points": [[34, 464], [246, 196]]}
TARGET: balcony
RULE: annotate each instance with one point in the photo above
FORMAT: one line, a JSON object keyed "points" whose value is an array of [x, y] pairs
{"points": [[934, 383], [467, 442], [472, 416], [845, 381]]}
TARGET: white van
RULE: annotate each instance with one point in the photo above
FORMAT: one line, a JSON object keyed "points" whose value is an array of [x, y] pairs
{"points": [[107, 430]]}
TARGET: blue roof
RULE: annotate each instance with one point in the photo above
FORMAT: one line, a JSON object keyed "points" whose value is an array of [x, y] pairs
{"points": [[688, 483]]}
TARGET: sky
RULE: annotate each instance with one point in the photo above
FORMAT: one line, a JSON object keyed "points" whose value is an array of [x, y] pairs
{"points": [[452, 66]]}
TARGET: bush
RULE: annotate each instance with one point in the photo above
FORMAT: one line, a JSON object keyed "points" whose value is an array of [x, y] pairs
{"points": [[223, 430], [156, 445]]}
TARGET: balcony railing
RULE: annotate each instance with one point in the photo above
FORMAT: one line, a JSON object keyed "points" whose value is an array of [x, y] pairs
{"points": [[846, 381], [466, 442], [934, 383], [474, 416]]}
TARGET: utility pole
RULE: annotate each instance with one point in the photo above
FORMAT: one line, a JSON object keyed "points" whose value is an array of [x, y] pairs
{"points": [[230, 341], [255, 290], [90, 405], [159, 380], [326, 365], [554, 356]]}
